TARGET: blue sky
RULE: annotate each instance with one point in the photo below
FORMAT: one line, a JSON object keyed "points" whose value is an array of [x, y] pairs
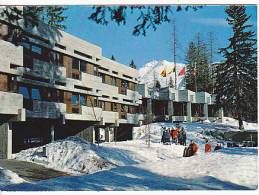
{"points": [[156, 45]]}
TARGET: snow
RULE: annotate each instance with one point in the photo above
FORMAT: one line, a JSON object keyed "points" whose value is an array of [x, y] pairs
{"points": [[155, 67], [135, 166], [9, 177], [72, 155], [234, 122]]}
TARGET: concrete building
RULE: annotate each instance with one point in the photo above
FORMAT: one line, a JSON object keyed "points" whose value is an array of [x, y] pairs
{"points": [[168, 104], [53, 85]]}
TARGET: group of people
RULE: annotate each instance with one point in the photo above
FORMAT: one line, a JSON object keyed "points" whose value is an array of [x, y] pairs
{"points": [[177, 135], [193, 148]]}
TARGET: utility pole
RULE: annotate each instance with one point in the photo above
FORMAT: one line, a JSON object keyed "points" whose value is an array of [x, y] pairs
{"points": [[174, 42], [195, 76]]}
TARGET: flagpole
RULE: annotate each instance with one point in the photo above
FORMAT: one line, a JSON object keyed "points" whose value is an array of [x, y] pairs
{"points": [[175, 80]]}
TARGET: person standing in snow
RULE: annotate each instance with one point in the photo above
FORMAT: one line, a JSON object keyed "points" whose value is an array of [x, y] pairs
{"points": [[184, 137], [207, 147], [175, 135], [171, 133]]}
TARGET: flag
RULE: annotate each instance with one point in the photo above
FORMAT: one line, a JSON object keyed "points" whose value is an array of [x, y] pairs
{"points": [[172, 71], [182, 71], [163, 73]]}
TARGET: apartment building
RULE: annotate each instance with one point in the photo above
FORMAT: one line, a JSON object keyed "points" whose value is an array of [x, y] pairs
{"points": [[54, 85], [168, 104]]}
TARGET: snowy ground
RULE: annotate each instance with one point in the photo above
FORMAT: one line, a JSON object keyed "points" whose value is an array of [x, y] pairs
{"points": [[131, 165], [9, 177]]}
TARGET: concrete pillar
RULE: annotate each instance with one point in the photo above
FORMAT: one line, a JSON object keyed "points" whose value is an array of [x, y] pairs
{"points": [[52, 132], [189, 111], [88, 134], [109, 134], [149, 116], [170, 108], [149, 106], [205, 111], [5, 141]]}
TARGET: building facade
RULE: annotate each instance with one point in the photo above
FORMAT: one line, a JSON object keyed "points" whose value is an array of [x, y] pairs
{"points": [[53, 85], [168, 104]]}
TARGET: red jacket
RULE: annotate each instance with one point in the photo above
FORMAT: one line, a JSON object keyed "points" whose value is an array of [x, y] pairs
{"points": [[207, 147], [175, 134]]}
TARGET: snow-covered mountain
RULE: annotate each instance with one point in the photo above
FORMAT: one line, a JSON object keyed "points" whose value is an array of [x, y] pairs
{"points": [[152, 71]]}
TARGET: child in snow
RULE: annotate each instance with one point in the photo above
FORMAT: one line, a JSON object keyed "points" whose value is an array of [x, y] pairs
{"points": [[217, 147], [191, 149], [207, 146]]}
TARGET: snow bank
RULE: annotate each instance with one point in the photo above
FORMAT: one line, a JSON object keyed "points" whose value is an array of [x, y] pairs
{"points": [[9, 177], [73, 155], [233, 122]]}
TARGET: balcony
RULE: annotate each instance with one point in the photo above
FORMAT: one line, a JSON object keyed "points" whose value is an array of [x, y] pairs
{"points": [[86, 114], [123, 90], [10, 55], [110, 117], [43, 109], [48, 70], [11, 103]]}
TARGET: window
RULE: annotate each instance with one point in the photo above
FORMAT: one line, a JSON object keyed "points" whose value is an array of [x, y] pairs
{"points": [[83, 100], [95, 70], [113, 81], [95, 101], [75, 76], [60, 46], [124, 108], [56, 58], [124, 84], [102, 76], [114, 107], [75, 99], [101, 105], [36, 49], [75, 64], [83, 66], [24, 91], [35, 94], [82, 54]]}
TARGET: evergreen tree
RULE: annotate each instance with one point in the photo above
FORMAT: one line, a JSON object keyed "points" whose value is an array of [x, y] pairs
{"points": [[197, 60], [132, 64], [190, 66], [31, 16], [236, 78], [113, 58]]}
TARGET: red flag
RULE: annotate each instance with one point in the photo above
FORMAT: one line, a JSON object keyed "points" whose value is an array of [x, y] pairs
{"points": [[182, 71]]}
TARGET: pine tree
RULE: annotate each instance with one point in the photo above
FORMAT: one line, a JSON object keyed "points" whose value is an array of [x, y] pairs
{"points": [[190, 66], [197, 60], [132, 64], [113, 58], [236, 78]]}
